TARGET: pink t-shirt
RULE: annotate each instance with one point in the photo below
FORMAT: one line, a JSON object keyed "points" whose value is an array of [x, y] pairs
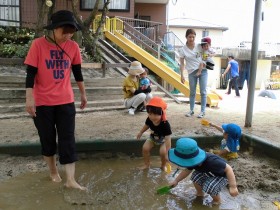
{"points": [[52, 84]]}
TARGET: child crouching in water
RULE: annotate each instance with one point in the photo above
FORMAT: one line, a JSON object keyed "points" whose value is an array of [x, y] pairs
{"points": [[160, 132], [209, 172], [230, 144]]}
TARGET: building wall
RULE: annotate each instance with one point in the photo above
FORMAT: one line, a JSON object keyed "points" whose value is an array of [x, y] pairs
{"points": [[263, 72], [157, 12], [29, 11], [215, 35], [214, 75]]}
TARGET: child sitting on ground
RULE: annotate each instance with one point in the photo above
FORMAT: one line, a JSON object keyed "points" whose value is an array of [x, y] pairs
{"points": [[207, 54], [160, 132], [230, 144], [210, 173]]}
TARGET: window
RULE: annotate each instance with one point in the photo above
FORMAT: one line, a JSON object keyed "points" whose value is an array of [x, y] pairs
{"points": [[205, 33], [9, 13], [115, 5]]}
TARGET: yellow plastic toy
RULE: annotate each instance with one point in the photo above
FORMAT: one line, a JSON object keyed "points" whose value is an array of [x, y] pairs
{"points": [[276, 203], [168, 168], [205, 122]]}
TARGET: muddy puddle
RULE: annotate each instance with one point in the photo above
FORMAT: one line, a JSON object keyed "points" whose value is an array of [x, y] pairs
{"points": [[116, 183]]}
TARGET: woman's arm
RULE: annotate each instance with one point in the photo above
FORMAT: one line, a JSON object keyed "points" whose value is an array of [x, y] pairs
{"points": [[83, 94], [182, 67]]}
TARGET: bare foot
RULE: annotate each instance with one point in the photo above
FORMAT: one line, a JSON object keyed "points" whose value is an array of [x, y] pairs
{"points": [[216, 202], [55, 177], [75, 185], [144, 167]]}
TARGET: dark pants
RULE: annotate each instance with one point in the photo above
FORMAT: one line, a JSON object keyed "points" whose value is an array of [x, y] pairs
{"points": [[60, 120], [233, 81]]}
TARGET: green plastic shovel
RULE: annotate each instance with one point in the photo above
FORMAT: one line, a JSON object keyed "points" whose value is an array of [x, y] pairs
{"points": [[163, 190]]}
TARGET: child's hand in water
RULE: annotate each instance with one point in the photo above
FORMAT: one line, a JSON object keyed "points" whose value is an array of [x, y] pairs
{"points": [[173, 184], [233, 191]]}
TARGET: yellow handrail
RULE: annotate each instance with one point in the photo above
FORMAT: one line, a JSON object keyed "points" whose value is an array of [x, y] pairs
{"points": [[116, 25]]}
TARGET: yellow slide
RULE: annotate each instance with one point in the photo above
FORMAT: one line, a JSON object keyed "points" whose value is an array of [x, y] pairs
{"points": [[158, 67]]}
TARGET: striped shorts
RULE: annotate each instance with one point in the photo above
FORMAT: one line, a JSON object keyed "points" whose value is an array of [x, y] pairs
{"points": [[211, 185]]}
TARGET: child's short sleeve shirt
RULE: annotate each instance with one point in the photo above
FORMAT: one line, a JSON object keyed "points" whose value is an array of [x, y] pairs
{"points": [[160, 131], [213, 165]]}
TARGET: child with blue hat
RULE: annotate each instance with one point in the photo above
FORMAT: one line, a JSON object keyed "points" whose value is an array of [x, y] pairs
{"points": [[209, 172], [230, 143]]}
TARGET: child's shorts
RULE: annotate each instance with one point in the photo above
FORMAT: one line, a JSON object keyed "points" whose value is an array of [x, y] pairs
{"points": [[210, 184], [156, 143]]}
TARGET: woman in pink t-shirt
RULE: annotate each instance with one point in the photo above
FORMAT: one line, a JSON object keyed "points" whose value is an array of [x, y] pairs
{"points": [[49, 94]]}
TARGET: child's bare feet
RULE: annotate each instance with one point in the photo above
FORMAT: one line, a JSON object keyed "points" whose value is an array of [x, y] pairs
{"points": [[144, 167], [55, 177], [75, 185]]}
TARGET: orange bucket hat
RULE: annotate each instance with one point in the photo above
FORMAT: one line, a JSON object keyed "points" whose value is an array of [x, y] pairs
{"points": [[159, 102]]}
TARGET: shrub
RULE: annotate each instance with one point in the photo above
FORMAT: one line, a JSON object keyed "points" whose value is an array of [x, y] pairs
{"points": [[15, 42]]}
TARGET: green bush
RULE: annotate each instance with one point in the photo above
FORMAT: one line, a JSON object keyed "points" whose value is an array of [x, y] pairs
{"points": [[15, 42]]}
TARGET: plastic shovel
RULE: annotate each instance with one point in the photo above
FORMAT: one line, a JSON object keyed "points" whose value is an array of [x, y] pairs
{"points": [[163, 190], [205, 122]]}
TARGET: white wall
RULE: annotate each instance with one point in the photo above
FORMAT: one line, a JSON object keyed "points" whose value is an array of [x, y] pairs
{"points": [[215, 35], [263, 72]]}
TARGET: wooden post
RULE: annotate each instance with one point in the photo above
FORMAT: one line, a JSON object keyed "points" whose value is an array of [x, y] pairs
{"points": [[104, 69]]}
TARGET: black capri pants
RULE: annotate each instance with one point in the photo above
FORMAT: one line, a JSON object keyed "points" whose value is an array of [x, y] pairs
{"points": [[60, 120]]}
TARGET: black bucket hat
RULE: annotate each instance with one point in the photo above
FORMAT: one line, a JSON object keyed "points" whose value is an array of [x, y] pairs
{"points": [[62, 17]]}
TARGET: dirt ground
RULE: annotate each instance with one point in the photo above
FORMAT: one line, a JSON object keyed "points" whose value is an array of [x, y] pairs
{"points": [[252, 171]]}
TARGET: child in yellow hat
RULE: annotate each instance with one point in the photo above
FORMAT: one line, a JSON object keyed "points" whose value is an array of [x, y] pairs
{"points": [[160, 132]]}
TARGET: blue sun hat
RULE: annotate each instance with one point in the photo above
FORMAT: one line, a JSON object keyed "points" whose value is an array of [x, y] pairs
{"points": [[234, 134], [186, 153]]}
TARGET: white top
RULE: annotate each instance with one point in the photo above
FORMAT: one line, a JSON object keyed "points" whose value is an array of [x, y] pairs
{"points": [[193, 57]]}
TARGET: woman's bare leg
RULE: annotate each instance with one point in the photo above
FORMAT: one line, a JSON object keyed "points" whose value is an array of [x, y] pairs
{"points": [[51, 162], [70, 177]]}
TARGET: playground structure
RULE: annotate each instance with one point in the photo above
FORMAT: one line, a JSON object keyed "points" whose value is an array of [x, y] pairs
{"points": [[114, 31]]}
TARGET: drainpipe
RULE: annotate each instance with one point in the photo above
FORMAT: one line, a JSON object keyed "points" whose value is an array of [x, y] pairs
{"points": [[253, 66]]}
